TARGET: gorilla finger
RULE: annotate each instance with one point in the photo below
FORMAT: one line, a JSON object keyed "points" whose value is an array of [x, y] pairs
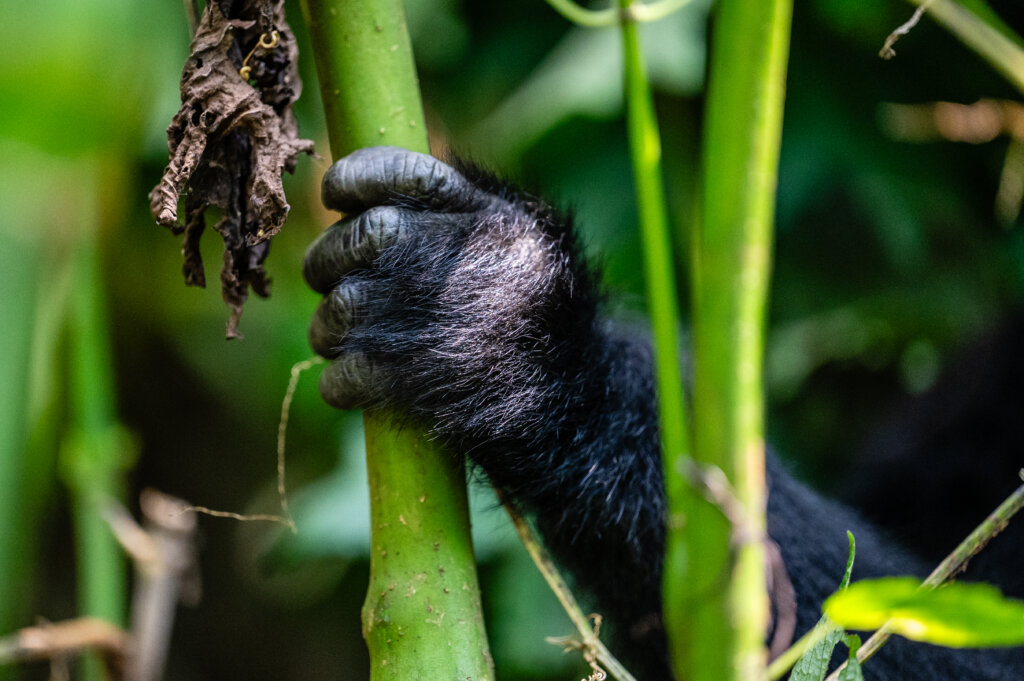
{"points": [[334, 317], [347, 382], [353, 243], [392, 175]]}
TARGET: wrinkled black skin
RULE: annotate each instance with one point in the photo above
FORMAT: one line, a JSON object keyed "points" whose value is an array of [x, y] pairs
{"points": [[479, 317]]}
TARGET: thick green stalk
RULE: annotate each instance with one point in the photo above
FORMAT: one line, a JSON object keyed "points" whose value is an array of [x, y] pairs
{"points": [[720, 631], [367, 76], [422, 617]]}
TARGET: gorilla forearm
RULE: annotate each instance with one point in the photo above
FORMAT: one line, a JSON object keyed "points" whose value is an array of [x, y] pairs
{"points": [[469, 307]]}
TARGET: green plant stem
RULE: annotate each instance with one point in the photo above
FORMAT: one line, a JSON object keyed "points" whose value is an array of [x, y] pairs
{"points": [[716, 626], [422, 616], [367, 75], [96, 454], [952, 564], [983, 32], [94, 450], [663, 307], [636, 12], [659, 266], [19, 261]]}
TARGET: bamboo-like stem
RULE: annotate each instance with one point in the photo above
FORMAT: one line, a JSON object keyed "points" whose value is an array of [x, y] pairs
{"points": [[422, 616], [716, 626], [952, 564]]}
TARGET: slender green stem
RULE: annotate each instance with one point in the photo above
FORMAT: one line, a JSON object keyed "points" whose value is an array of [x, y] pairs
{"points": [[593, 18], [659, 271], [659, 266], [593, 649], [94, 452], [635, 12], [19, 261], [982, 31], [367, 75], [422, 617], [94, 456]]}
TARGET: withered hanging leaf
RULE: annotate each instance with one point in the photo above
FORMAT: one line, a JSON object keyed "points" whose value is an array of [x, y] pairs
{"points": [[230, 142]]}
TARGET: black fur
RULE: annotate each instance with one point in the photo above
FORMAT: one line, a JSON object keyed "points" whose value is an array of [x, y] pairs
{"points": [[483, 322]]}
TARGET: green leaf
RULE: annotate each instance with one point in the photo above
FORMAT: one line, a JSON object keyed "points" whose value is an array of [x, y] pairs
{"points": [[956, 615], [849, 561], [852, 671], [813, 665]]}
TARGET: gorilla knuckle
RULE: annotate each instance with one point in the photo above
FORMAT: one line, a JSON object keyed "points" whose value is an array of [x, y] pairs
{"points": [[345, 383], [335, 317]]}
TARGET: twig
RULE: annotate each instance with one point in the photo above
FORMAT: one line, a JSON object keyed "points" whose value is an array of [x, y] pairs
{"points": [[61, 639], [887, 52], [713, 484], [282, 431], [285, 517], [995, 523], [594, 652], [163, 552], [243, 517], [568, 643], [987, 36], [953, 564]]}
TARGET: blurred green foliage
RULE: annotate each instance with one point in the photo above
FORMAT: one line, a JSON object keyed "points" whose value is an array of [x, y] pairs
{"points": [[889, 259]]}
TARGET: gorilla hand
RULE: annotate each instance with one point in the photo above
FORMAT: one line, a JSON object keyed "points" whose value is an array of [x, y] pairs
{"points": [[442, 292]]}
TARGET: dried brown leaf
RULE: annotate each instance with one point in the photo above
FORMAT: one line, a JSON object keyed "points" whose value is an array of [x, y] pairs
{"points": [[230, 142]]}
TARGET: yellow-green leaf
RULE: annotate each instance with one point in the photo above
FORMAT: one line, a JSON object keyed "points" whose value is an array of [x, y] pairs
{"points": [[955, 615]]}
